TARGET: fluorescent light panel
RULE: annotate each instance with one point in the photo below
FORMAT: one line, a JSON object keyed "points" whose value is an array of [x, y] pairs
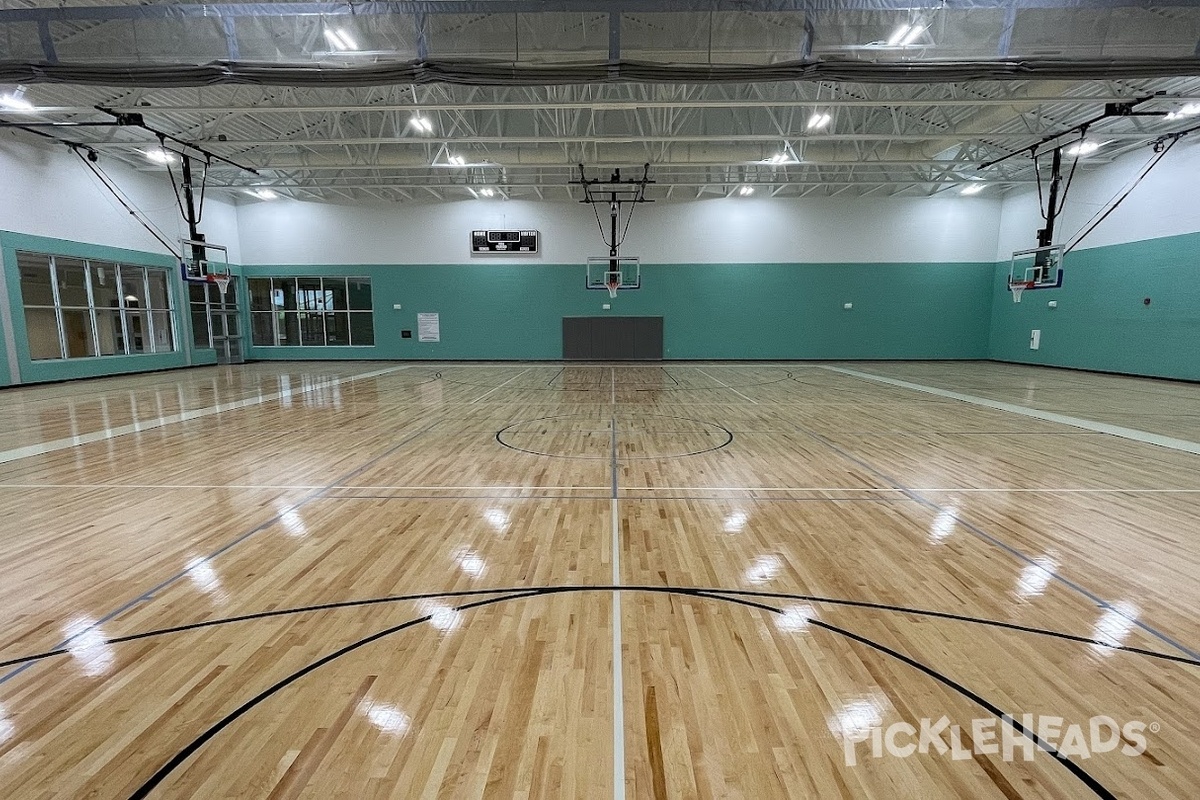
{"points": [[819, 120], [160, 156], [16, 101], [339, 39], [972, 188], [746, 191], [906, 34], [264, 193], [422, 124], [1082, 148], [1189, 110]]}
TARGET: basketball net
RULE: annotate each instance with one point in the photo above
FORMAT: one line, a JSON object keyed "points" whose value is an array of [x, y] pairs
{"points": [[613, 283], [222, 282], [1016, 289]]}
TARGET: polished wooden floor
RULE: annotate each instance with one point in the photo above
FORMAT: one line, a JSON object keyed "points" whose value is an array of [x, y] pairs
{"points": [[530, 580]]}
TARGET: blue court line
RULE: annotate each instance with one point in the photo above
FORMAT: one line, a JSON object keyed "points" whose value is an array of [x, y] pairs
{"points": [[151, 592], [987, 537]]}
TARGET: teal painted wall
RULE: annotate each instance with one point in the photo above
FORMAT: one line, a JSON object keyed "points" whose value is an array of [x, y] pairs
{"points": [[53, 370], [1101, 322], [493, 310]]}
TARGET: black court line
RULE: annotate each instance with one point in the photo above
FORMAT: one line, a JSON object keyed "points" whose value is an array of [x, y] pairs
{"points": [[633, 497], [808, 598], [681, 388], [196, 744], [1009, 719], [498, 498], [728, 439], [187, 752], [262, 526], [1001, 544], [669, 375]]}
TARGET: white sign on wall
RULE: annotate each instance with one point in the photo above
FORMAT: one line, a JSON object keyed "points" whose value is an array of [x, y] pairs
{"points": [[429, 328]]}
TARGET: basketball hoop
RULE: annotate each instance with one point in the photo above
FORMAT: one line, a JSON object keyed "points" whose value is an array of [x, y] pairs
{"points": [[613, 283], [222, 282], [1017, 288]]}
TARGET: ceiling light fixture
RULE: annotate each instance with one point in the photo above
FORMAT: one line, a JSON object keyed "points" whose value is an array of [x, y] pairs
{"points": [[339, 39], [457, 161], [264, 193], [422, 124], [16, 101], [905, 35], [1083, 148], [819, 119], [972, 188], [1189, 110], [160, 156], [487, 192], [746, 191], [778, 158]]}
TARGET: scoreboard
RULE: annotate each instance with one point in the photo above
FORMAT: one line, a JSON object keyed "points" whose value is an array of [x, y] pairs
{"points": [[504, 242]]}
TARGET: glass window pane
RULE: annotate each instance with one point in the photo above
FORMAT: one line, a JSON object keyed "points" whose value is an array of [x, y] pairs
{"points": [[164, 342], [72, 281], [262, 331], [362, 329], [42, 326], [360, 294], [200, 328], [77, 325], [309, 296], [159, 297], [284, 293], [108, 324], [337, 329], [312, 329], [137, 326], [197, 292], [335, 293], [104, 284], [289, 328], [35, 279], [226, 299], [133, 287], [231, 324], [260, 294]]}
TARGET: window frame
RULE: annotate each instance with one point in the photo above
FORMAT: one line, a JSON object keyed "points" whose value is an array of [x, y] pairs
{"points": [[277, 314], [121, 273]]}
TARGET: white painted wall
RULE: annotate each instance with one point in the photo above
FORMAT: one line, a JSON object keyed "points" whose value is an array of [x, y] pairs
{"points": [[725, 230], [1163, 204], [48, 191]]}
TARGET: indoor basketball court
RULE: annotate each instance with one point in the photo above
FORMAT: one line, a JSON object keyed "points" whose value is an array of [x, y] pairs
{"points": [[396, 581], [795, 400]]}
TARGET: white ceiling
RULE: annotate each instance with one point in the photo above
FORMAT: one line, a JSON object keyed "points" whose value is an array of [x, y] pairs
{"points": [[321, 98]]}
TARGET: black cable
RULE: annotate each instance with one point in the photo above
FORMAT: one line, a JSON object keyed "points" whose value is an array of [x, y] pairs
{"points": [[628, 222], [1067, 186], [175, 188], [203, 187], [104, 179], [599, 224], [1071, 176], [1091, 226], [1038, 173]]}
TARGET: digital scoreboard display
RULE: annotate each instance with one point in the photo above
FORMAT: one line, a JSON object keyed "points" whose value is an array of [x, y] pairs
{"points": [[504, 242]]}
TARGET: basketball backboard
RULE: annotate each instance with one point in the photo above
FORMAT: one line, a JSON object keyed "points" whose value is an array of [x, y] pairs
{"points": [[614, 273]]}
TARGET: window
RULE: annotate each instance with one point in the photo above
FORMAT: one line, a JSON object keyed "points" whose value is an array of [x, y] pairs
{"points": [[208, 305], [77, 308], [311, 312]]}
